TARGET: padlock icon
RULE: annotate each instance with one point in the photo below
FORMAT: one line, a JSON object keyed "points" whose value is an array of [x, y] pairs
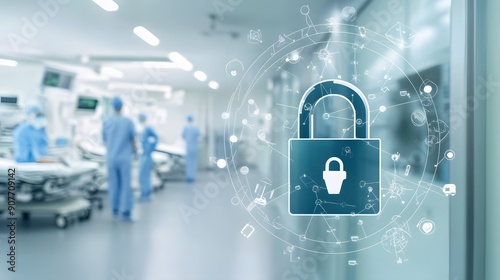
{"points": [[323, 189], [334, 179]]}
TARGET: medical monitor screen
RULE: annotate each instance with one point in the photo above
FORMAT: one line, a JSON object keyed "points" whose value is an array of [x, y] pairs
{"points": [[57, 78], [8, 100], [85, 103]]}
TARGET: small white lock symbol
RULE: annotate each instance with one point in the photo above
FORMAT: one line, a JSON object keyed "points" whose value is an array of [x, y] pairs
{"points": [[334, 179]]}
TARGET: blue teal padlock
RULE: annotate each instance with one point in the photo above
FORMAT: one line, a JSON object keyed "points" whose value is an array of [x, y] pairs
{"points": [[324, 179]]}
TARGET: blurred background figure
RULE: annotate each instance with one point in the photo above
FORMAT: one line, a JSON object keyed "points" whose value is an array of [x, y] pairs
{"points": [[119, 139], [191, 134], [148, 139], [30, 138]]}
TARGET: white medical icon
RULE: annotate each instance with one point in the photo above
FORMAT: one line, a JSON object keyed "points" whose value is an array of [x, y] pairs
{"points": [[426, 226], [254, 37], [450, 189], [247, 230]]}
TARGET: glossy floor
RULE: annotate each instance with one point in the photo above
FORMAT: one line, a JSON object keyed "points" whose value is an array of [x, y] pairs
{"points": [[206, 243], [161, 244]]}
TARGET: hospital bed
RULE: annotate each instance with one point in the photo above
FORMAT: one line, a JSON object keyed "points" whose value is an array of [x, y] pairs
{"points": [[168, 163], [92, 152], [175, 165], [59, 189], [49, 181], [64, 210]]}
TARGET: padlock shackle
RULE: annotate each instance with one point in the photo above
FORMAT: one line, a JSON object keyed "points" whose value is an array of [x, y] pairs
{"points": [[327, 164], [338, 88]]}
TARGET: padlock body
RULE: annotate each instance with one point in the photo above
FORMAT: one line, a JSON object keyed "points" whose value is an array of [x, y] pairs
{"points": [[360, 191]]}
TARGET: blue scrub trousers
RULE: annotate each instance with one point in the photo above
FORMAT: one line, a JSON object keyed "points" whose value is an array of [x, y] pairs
{"points": [[191, 164], [120, 189], [145, 168]]}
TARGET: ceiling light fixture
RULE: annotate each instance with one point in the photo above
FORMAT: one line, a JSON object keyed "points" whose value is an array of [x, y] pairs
{"points": [[107, 5], [200, 76], [213, 85], [181, 61], [111, 72], [8, 62], [146, 35], [159, 64]]}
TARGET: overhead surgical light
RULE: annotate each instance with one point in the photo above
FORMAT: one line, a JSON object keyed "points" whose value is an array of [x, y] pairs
{"points": [[159, 64], [146, 35], [201, 76], [111, 72], [107, 5], [8, 62], [181, 61], [213, 85]]}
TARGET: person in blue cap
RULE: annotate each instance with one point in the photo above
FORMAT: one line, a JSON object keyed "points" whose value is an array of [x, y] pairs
{"points": [[191, 134], [148, 139], [118, 134], [30, 138]]}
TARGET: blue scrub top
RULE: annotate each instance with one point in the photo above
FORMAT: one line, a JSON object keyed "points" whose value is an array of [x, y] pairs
{"points": [[118, 135], [149, 139], [191, 134], [30, 144]]}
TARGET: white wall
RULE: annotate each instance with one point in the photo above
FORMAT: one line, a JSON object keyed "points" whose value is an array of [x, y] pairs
{"points": [[23, 80]]}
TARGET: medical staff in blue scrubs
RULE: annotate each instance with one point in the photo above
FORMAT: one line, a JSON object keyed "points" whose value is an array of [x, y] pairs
{"points": [[30, 138], [148, 139], [191, 134], [119, 137]]}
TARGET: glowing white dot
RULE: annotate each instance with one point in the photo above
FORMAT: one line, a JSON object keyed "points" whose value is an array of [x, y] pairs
{"points": [[244, 121], [428, 89], [262, 135], [244, 170], [269, 117], [450, 154], [382, 109], [233, 139], [221, 163], [225, 115], [251, 101]]}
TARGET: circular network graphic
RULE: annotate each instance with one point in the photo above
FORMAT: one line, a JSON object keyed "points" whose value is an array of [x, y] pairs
{"points": [[371, 61]]}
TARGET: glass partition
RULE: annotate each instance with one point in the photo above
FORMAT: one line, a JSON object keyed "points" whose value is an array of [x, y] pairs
{"points": [[396, 56]]}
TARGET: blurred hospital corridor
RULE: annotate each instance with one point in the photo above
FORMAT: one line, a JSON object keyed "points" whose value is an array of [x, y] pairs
{"points": [[249, 140]]}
